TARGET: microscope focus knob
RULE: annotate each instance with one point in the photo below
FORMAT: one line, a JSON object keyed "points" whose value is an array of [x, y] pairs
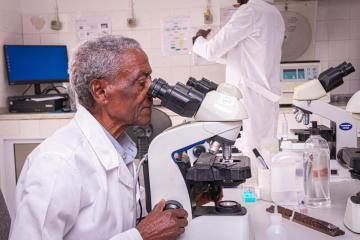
{"points": [[198, 150], [355, 199], [172, 204]]}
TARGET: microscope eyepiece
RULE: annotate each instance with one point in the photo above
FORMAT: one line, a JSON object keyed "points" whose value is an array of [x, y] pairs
{"points": [[333, 77], [202, 85], [181, 99]]}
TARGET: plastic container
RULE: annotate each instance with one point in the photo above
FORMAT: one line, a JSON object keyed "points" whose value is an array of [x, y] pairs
{"points": [[276, 230], [316, 170], [286, 178]]}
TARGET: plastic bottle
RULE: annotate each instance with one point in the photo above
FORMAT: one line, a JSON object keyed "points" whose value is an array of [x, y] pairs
{"points": [[285, 177], [276, 230], [316, 169]]}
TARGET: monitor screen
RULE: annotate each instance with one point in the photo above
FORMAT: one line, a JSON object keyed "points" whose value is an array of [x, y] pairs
{"points": [[27, 64]]}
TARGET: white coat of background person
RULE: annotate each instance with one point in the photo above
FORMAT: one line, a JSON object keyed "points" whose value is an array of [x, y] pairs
{"points": [[250, 46]]}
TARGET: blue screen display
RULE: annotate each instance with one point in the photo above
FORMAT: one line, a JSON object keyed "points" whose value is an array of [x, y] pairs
{"points": [[36, 64]]}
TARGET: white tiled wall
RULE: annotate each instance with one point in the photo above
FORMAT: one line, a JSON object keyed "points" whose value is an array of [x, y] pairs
{"points": [[10, 32], [338, 38], [148, 14]]}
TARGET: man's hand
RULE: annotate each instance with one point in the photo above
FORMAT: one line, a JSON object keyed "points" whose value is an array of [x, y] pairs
{"points": [[203, 33], [163, 225]]}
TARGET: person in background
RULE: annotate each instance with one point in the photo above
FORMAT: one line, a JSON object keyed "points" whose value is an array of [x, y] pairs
{"points": [[250, 46], [78, 183]]}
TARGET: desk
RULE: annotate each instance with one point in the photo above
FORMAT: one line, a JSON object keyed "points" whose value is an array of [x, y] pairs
{"points": [[339, 191]]}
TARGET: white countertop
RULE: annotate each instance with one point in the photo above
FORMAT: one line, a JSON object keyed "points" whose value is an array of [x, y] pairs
{"points": [[5, 115], [340, 192]]}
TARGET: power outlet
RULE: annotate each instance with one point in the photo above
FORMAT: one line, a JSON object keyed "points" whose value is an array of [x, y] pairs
{"points": [[131, 22], [55, 25]]}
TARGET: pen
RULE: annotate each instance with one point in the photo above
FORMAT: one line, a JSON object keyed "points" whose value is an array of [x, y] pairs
{"points": [[260, 158]]}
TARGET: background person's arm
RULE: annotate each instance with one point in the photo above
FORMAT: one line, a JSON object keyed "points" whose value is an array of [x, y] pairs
{"points": [[239, 27]]}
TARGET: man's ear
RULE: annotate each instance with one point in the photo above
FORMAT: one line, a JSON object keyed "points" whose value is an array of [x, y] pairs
{"points": [[98, 91]]}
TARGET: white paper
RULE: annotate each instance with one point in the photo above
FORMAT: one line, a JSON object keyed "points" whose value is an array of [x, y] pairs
{"points": [[90, 27], [175, 36], [42, 99]]}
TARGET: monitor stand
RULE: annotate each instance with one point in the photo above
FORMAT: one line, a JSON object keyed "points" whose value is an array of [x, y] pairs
{"points": [[37, 89]]}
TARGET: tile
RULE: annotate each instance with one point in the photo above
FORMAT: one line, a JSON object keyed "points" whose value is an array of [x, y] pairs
{"points": [[180, 74], [354, 47], [32, 39], [338, 50], [155, 38], [355, 9], [158, 15], [157, 59], [339, 30], [344, 88], [322, 10], [215, 73], [356, 64], [142, 36], [162, 72], [338, 9], [322, 31], [355, 29], [49, 39], [180, 60], [354, 85], [322, 50]]}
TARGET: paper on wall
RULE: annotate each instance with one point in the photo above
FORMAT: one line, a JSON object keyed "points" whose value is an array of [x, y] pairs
{"points": [[90, 27], [175, 33]]}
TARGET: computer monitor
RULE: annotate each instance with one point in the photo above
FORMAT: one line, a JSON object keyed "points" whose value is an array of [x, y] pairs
{"points": [[36, 64]]}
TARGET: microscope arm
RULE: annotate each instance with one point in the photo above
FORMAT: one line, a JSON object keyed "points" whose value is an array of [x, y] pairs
{"points": [[344, 138]]}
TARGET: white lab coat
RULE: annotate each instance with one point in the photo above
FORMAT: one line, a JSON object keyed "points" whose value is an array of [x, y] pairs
{"points": [[75, 186], [250, 46]]}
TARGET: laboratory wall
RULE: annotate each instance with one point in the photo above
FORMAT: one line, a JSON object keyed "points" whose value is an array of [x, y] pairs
{"points": [[338, 38], [11, 33], [148, 14]]}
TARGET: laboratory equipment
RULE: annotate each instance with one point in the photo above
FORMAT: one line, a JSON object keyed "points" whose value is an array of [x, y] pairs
{"points": [[218, 117], [293, 74], [307, 100], [351, 158], [307, 221], [317, 169], [286, 174], [36, 64], [276, 229]]}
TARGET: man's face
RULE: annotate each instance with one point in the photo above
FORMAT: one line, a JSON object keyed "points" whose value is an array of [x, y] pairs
{"points": [[128, 102]]}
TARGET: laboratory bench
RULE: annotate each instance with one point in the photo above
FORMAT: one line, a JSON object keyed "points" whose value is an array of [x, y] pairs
{"points": [[339, 192]]}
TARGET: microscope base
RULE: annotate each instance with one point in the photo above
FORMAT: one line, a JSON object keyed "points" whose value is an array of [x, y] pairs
{"points": [[218, 227], [352, 216]]}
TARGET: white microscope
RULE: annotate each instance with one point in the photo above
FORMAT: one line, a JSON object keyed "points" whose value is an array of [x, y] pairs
{"points": [[218, 116], [307, 100]]}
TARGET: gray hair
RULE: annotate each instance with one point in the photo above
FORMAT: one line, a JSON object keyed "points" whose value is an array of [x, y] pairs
{"points": [[97, 58]]}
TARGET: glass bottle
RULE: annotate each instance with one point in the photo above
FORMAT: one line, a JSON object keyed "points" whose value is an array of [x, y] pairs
{"points": [[316, 169]]}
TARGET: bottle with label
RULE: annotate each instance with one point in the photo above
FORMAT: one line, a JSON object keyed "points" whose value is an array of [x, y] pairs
{"points": [[316, 169], [276, 230]]}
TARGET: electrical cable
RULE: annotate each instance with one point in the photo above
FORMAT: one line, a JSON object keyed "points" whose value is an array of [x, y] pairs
{"points": [[27, 89], [145, 157]]}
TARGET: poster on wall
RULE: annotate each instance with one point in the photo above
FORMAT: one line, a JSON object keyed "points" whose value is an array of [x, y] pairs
{"points": [[90, 27], [175, 33]]}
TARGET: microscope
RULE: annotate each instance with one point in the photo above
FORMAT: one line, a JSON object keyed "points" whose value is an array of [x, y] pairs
{"points": [[218, 113], [307, 100]]}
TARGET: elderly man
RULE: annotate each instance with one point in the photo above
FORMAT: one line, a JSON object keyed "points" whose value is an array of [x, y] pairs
{"points": [[78, 183]]}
